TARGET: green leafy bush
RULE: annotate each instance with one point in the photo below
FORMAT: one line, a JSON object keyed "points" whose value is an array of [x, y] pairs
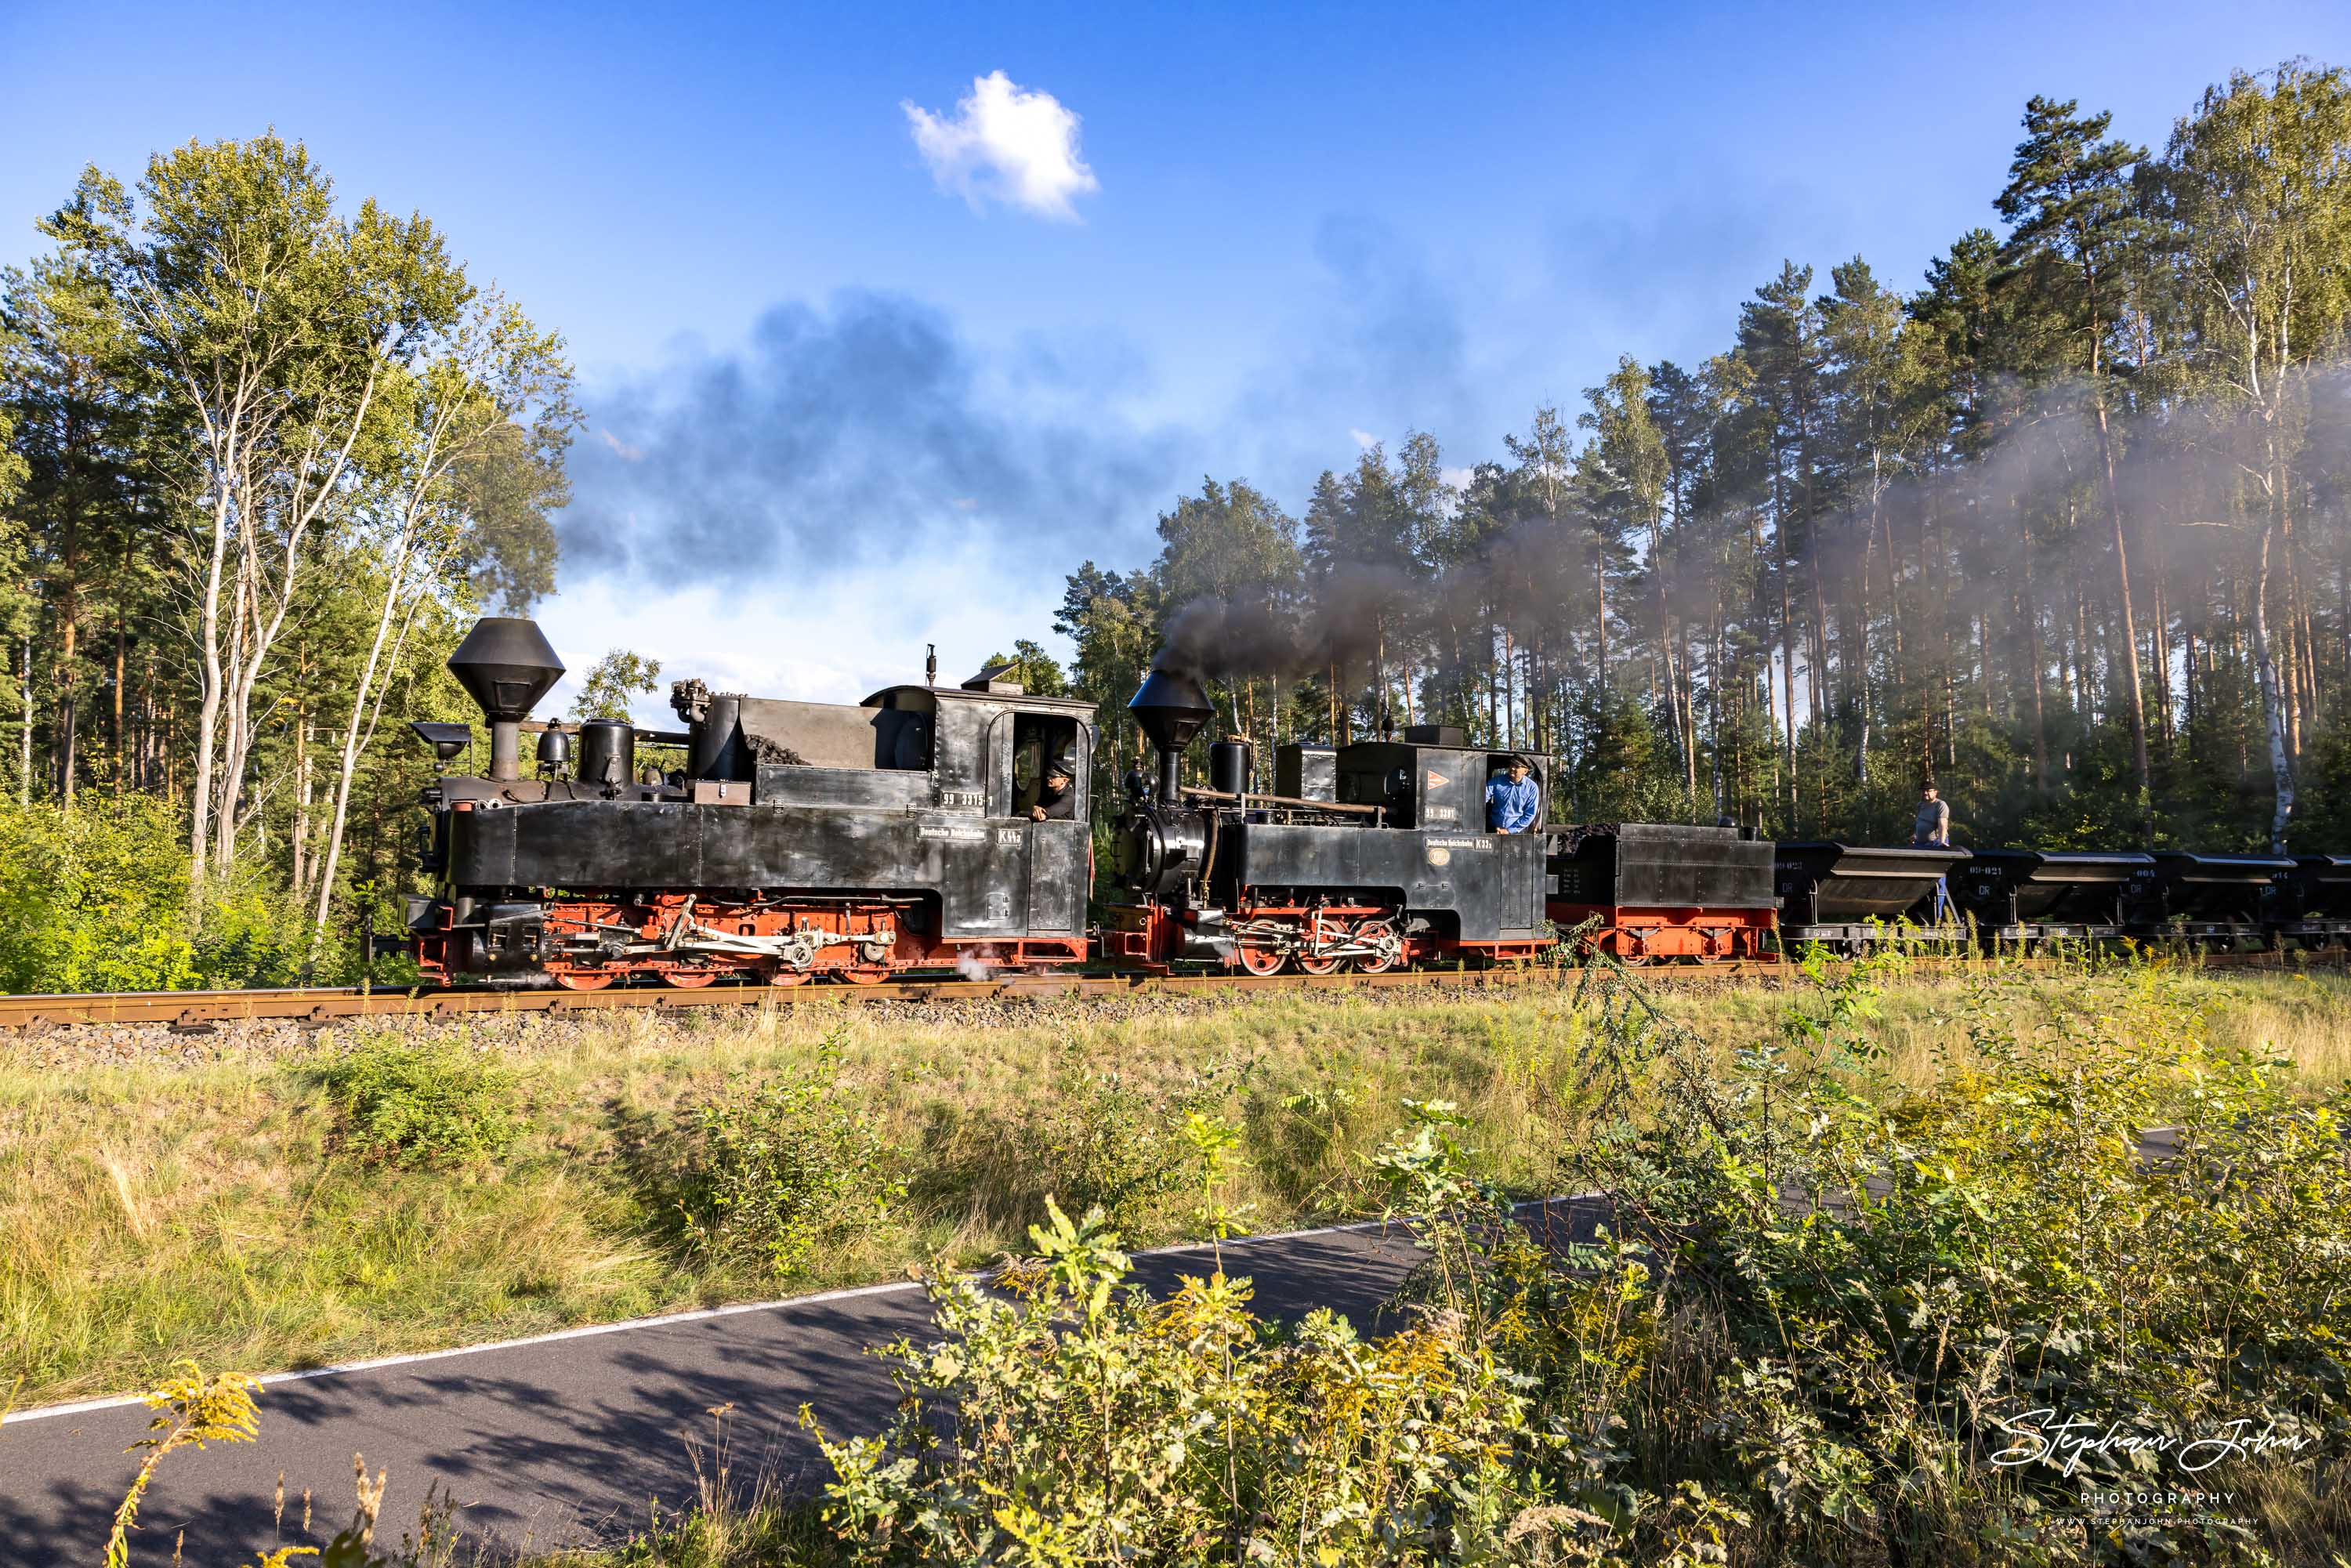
{"points": [[1828, 1325], [1072, 1419], [1104, 1140], [773, 1169], [96, 899], [431, 1103], [1887, 1307]]}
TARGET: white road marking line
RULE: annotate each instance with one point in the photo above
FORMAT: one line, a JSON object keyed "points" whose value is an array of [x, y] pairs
{"points": [[41, 1413]]}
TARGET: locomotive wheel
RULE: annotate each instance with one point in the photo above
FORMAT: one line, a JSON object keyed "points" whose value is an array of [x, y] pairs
{"points": [[579, 980], [1312, 965], [688, 979], [1258, 960], [864, 974], [1370, 930], [780, 977]]}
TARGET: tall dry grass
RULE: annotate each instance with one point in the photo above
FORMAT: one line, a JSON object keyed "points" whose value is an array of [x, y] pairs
{"points": [[150, 1212]]}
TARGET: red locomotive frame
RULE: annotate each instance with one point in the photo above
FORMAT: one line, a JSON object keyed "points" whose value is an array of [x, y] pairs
{"points": [[1640, 935], [586, 944]]}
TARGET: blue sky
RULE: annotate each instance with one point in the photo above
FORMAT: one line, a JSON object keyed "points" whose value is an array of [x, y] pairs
{"points": [[843, 408]]}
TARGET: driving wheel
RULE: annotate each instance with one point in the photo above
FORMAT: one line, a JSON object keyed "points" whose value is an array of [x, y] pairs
{"points": [[1374, 932], [1258, 959], [1312, 965]]}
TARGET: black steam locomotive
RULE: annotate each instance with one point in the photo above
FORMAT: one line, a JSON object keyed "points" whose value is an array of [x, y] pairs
{"points": [[1374, 855], [909, 831], [799, 840], [817, 839]]}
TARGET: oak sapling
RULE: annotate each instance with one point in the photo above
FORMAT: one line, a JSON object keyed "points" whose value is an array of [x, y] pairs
{"points": [[438, 1102], [775, 1168]]}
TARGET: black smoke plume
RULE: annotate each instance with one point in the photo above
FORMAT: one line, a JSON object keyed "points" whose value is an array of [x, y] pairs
{"points": [[866, 429], [1339, 622]]}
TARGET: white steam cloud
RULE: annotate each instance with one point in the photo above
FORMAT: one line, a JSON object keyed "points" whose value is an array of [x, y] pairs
{"points": [[1007, 144]]}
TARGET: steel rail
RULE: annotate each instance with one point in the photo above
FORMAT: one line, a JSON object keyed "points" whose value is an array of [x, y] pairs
{"points": [[319, 1005]]}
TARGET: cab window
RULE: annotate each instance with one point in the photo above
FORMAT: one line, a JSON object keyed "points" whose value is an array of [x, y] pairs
{"points": [[1039, 739]]}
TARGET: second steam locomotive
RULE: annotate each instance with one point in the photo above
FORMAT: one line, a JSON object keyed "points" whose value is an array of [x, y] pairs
{"points": [[936, 827]]}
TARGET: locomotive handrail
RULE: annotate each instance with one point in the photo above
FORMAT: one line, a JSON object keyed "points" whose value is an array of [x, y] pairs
{"points": [[1246, 797], [644, 736]]}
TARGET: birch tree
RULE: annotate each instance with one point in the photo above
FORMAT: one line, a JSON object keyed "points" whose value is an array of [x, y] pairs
{"points": [[272, 322], [2261, 176], [459, 412], [14, 604]]}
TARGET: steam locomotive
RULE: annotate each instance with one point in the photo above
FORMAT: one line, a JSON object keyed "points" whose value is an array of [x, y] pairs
{"points": [[853, 842], [800, 839], [1374, 855]]}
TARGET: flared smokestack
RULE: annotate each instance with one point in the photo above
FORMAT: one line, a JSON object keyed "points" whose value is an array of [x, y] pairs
{"points": [[1171, 707], [505, 663]]}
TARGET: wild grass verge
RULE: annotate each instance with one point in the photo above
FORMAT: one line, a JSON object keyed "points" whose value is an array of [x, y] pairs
{"points": [[1846, 1315], [399, 1190]]}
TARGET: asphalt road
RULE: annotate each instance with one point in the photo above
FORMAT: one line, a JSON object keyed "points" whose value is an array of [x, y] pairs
{"points": [[569, 1439]]}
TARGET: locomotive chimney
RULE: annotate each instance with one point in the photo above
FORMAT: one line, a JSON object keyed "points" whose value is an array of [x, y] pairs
{"points": [[1171, 707], [507, 666]]}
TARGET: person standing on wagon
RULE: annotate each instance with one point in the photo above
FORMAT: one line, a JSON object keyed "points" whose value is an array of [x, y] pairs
{"points": [[1931, 829]]}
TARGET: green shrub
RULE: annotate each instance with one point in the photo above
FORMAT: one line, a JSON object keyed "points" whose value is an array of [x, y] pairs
{"points": [[1073, 1419], [96, 899], [1824, 1334], [1885, 1305], [1101, 1140], [772, 1169], [433, 1104]]}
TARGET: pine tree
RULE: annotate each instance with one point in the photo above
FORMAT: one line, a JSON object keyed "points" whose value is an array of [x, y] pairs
{"points": [[2069, 199]]}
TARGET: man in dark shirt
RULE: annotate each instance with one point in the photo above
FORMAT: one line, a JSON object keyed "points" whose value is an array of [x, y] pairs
{"points": [[1052, 800], [1931, 828]]}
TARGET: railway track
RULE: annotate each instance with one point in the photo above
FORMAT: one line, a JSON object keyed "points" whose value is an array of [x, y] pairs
{"points": [[321, 1005]]}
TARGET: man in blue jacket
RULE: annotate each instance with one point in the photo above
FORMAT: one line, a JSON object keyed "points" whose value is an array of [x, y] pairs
{"points": [[1511, 802]]}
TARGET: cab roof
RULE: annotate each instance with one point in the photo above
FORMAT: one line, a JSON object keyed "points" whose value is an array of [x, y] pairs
{"points": [[1073, 705]]}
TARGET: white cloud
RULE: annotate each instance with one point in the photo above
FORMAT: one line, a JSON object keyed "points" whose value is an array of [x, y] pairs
{"points": [[1006, 142], [622, 449], [1365, 439]]}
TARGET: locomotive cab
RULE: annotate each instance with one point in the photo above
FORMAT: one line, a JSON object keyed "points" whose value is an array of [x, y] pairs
{"points": [[1430, 778]]}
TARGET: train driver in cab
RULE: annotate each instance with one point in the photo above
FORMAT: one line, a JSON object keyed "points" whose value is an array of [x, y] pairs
{"points": [[1052, 800], [1512, 801]]}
